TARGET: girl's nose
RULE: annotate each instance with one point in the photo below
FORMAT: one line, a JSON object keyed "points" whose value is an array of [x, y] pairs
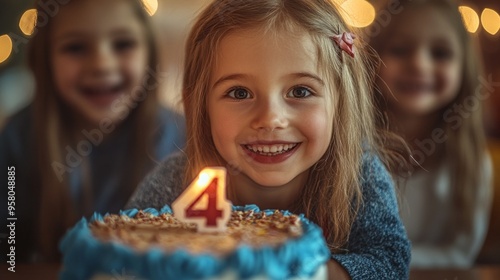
{"points": [[103, 60], [421, 61], [270, 115]]}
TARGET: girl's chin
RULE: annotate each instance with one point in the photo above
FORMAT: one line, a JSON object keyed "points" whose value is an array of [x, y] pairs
{"points": [[414, 109], [104, 117], [416, 112], [271, 182], [101, 99]]}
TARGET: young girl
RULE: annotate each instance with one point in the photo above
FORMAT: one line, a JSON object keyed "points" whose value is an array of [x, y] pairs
{"points": [[94, 128], [275, 91], [431, 81]]}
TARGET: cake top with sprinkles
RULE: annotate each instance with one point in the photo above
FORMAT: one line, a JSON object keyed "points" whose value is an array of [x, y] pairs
{"points": [[145, 230]]}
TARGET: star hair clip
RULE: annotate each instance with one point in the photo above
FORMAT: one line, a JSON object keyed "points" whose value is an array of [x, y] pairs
{"points": [[345, 41]]}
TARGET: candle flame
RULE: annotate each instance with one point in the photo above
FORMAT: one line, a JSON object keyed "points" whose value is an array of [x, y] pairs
{"points": [[203, 179]]}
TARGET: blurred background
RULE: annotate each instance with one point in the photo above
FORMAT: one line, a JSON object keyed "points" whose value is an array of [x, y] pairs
{"points": [[172, 20]]}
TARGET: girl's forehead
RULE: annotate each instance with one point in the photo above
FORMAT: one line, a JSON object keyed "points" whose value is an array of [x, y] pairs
{"points": [[424, 23], [294, 42], [255, 50], [95, 17]]}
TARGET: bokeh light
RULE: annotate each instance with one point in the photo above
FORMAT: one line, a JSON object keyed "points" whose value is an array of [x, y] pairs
{"points": [[470, 18], [490, 21], [5, 47], [28, 21], [151, 6], [358, 13]]}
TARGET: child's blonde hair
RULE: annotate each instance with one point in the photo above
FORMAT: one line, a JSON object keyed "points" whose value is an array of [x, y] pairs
{"points": [[53, 128], [465, 146], [335, 177]]}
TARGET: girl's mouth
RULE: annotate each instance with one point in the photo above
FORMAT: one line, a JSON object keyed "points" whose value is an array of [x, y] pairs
{"points": [[270, 153], [103, 96], [415, 88]]}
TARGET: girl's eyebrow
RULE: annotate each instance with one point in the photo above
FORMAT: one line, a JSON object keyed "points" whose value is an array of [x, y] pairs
{"points": [[292, 75], [69, 35], [81, 33], [307, 75], [122, 31], [229, 77]]}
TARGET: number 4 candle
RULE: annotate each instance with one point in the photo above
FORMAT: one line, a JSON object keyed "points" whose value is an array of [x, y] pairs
{"points": [[204, 201]]}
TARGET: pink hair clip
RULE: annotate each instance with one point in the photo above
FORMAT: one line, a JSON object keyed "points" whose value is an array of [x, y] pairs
{"points": [[345, 41]]}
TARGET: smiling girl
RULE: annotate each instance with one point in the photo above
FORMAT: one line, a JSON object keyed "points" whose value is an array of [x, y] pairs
{"points": [[430, 73], [275, 91], [94, 128]]}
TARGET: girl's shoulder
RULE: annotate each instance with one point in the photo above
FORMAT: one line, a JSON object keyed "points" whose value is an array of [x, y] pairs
{"points": [[168, 117], [373, 169], [170, 169], [162, 185], [376, 181], [176, 161]]}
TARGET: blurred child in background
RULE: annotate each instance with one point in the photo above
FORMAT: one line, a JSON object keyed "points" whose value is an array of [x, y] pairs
{"points": [[430, 78], [94, 128]]}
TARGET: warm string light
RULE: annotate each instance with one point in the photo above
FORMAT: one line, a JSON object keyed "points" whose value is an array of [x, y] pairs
{"points": [[28, 21], [470, 18], [490, 20], [357, 13], [360, 13], [5, 47], [151, 6]]}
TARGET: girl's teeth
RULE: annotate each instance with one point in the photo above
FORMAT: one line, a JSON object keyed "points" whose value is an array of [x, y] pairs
{"points": [[270, 149]]}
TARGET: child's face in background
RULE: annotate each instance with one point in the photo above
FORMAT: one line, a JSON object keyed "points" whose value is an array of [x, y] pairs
{"points": [[99, 54], [269, 107], [423, 63]]}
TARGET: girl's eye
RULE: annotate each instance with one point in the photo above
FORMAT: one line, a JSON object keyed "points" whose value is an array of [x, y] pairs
{"points": [[441, 54], [124, 44], [238, 93], [74, 48], [398, 51], [299, 92]]}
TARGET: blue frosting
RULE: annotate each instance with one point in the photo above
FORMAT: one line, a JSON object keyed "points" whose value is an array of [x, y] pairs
{"points": [[84, 256]]}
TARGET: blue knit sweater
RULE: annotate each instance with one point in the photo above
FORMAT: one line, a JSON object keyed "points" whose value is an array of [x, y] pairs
{"points": [[378, 247]]}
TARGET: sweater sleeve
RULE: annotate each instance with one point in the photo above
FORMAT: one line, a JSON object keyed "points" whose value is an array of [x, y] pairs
{"points": [[378, 246], [162, 185]]}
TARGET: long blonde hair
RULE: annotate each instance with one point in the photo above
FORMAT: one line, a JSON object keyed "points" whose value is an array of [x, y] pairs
{"points": [[336, 176], [54, 132], [465, 147]]}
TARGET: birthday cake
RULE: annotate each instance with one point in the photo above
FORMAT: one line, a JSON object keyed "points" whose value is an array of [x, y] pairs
{"points": [[153, 244]]}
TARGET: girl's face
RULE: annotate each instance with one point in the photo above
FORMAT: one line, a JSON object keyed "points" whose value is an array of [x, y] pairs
{"points": [[269, 107], [423, 63], [99, 56]]}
